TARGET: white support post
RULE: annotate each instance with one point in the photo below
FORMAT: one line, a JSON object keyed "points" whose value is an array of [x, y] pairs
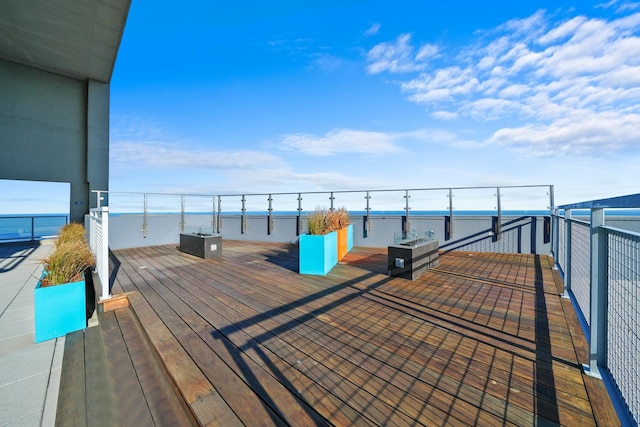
{"points": [[598, 321], [104, 248]]}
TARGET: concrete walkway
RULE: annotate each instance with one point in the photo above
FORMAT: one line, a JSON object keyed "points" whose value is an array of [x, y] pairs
{"points": [[29, 372]]}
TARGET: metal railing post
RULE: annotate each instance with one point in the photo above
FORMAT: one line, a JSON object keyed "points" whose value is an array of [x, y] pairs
{"points": [[567, 252], [449, 223], [182, 213], [331, 199], [367, 222], [219, 217], [407, 224], [598, 301], [555, 234], [213, 215], [243, 223], [299, 218], [270, 217], [498, 230], [144, 216]]}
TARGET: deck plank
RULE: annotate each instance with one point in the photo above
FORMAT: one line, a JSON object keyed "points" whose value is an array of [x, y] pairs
{"points": [[481, 340]]}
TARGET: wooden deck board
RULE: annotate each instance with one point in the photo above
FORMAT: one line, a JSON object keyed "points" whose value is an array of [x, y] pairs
{"points": [[480, 340]]}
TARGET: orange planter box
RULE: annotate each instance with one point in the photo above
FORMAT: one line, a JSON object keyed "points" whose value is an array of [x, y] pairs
{"points": [[345, 241]]}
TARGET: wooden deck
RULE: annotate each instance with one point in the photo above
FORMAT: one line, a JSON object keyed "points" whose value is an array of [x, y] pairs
{"points": [[484, 339]]}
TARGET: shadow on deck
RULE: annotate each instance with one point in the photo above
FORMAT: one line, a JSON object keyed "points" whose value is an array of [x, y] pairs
{"points": [[483, 339]]}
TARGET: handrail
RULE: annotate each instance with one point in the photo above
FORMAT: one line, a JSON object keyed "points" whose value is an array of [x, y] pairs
{"points": [[32, 226], [386, 190], [609, 301], [620, 202], [405, 205]]}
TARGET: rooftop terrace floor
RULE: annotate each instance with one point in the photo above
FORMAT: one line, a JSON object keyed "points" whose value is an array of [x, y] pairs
{"points": [[483, 339]]}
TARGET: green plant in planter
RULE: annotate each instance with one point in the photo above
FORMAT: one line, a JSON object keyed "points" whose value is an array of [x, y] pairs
{"points": [[70, 258], [342, 217], [330, 237], [317, 223], [322, 221], [72, 232], [60, 297]]}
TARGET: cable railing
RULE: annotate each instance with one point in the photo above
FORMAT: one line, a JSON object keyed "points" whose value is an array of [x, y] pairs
{"points": [[30, 227], [601, 271], [407, 203]]}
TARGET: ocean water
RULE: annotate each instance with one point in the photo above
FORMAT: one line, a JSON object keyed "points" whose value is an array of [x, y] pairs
{"points": [[576, 212], [32, 226], [37, 226]]}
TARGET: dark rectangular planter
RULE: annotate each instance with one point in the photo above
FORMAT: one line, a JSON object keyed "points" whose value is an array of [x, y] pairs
{"points": [[410, 262], [201, 245]]}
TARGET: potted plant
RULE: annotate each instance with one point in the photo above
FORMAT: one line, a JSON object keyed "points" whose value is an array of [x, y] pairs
{"points": [[329, 239], [60, 295], [318, 248]]}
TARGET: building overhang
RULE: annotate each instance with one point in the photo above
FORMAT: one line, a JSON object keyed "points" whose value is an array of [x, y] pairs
{"points": [[73, 38]]}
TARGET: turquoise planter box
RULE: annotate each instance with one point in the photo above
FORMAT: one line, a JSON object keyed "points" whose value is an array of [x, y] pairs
{"points": [[60, 309], [318, 254], [349, 237]]}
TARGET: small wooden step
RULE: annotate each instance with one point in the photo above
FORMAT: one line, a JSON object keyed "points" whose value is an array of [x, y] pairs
{"points": [[113, 303]]}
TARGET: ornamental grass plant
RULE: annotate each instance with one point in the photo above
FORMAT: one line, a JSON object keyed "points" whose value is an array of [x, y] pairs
{"points": [[72, 232], [317, 222], [323, 221], [342, 217], [70, 258]]}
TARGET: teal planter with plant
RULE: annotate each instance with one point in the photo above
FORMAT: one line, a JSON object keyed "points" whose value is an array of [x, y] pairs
{"points": [[329, 239], [60, 297], [59, 309], [318, 253]]}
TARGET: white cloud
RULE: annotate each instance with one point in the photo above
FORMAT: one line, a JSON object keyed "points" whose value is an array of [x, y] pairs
{"points": [[444, 115], [625, 6], [601, 133], [399, 56], [341, 141], [372, 30], [325, 62], [172, 155], [575, 82]]}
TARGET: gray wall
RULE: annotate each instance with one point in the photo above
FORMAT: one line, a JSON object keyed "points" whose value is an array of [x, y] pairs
{"points": [[126, 231], [54, 128]]}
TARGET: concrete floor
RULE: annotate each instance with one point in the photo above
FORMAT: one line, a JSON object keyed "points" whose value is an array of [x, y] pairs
{"points": [[29, 372]]}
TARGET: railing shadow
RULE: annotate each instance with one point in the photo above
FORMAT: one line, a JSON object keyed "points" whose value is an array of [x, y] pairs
{"points": [[256, 343], [14, 254], [546, 404], [287, 259], [374, 263], [545, 390], [114, 268]]}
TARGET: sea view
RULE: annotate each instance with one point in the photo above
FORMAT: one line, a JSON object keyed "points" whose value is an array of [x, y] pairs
{"points": [[31, 226], [38, 226]]}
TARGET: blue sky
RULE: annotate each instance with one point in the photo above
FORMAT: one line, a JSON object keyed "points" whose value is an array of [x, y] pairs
{"points": [[230, 97]]}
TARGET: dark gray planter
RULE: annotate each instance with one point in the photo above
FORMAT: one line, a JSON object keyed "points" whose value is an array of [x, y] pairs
{"points": [[410, 262], [201, 245]]}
